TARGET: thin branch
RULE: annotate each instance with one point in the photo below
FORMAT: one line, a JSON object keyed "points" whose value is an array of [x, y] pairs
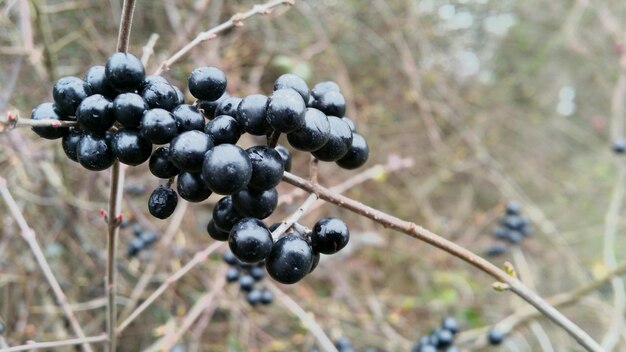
{"points": [[55, 344], [115, 198], [420, 233], [235, 20], [29, 236], [294, 217], [306, 319], [148, 49], [197, 259]]}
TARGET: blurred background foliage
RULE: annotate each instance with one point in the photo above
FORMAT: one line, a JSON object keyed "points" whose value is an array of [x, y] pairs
{"points": [[492, 100]]}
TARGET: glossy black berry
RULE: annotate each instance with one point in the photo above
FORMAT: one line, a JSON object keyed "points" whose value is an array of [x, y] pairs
{"points": [[160, 95], [125, 72], [158, 126], [229, 258], [256, 204], [246, 283], [513, 222], [96, 79], [128, 108], [47, 111], [191, 187], [216, 233], [350, 123], [152, 79], [70, 142], [130, 147], [223, 129], [619, 146], [513, 208], [188, 148], [228, 106], [225, 215], [450, 324], [68, 93], [250, 240], [295, 82], [495, 336], [331, 103], [329, 235], [267, 167], [313, 134], [357, 154], [232, 274], [254, 297], [285, 155], [207, 108], [160, 164], [94, 152], [207, 83], [188, 118], [94, 114], [514, 236], [180, 96], [339, 142], [445, 338], [251, 115], [290, 260], [162, 202], [267, 297], [316, 261], [324, 87], [226, 169], [285, 110]]}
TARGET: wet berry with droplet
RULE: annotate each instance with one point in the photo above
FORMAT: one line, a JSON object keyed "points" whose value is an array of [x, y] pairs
{"points": [[128, 109], [290, 259], [295, 82], [158, 126], [125, 72], [323, 87], [228, 106], [250, 240], [257, 204], [191, 187], [188, 118], [223, 129], [94, 152], [207, 83], [329, 235], [130, 147], [96, 79], [188, 148], [251, 115], [160, 164], [160, 95], [226, 169], [68, 93], [267, 167], [313, 134]]}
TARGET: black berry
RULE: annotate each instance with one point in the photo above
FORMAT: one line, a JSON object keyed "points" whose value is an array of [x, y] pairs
{"points": [[254, 297], [357, 154], [47, 111], [285, 110], [228, 106], [295, 82], [96, 79], [258, 273], [94, 152], [188, 118], [125, 72], [94, 114], [267, 167], [128, 108], [207, 108], [70, 142], [207, 83], [250, 240], [267, 297], [251, 115], [223, 129], [232, 274], [331, 103], [158, 126], [216, 233], [161, 165], [324, 87], [285, 155], [226, 169], [313, 134], [68, 92], [290, 260], [329, 235], [191, 187], [160, 95], [257, 204], [316, 261], [188, 148], [350, 123], [162, 202], [450, 324], [246, 283], [339, 142], [225, 215], [495, 336], [130, 147], [619, 146], [229, 258]]}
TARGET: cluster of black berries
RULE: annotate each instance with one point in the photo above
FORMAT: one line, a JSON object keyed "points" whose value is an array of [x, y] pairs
{"points": [[512, 229], [343, 344], [142, 240], [441, 339], [248, 276], [120, 112]]}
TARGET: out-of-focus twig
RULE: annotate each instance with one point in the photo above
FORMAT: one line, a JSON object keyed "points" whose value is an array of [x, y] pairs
{"points": [[55, 344]]}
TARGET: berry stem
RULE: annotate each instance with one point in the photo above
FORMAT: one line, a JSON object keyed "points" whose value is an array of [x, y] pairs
{"points": [[293, 218], [272, 139], [115, 197], [29, 236], [420, 233]]}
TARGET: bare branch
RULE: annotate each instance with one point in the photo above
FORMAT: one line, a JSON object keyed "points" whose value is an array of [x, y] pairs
{"points": [[54, 344]]}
